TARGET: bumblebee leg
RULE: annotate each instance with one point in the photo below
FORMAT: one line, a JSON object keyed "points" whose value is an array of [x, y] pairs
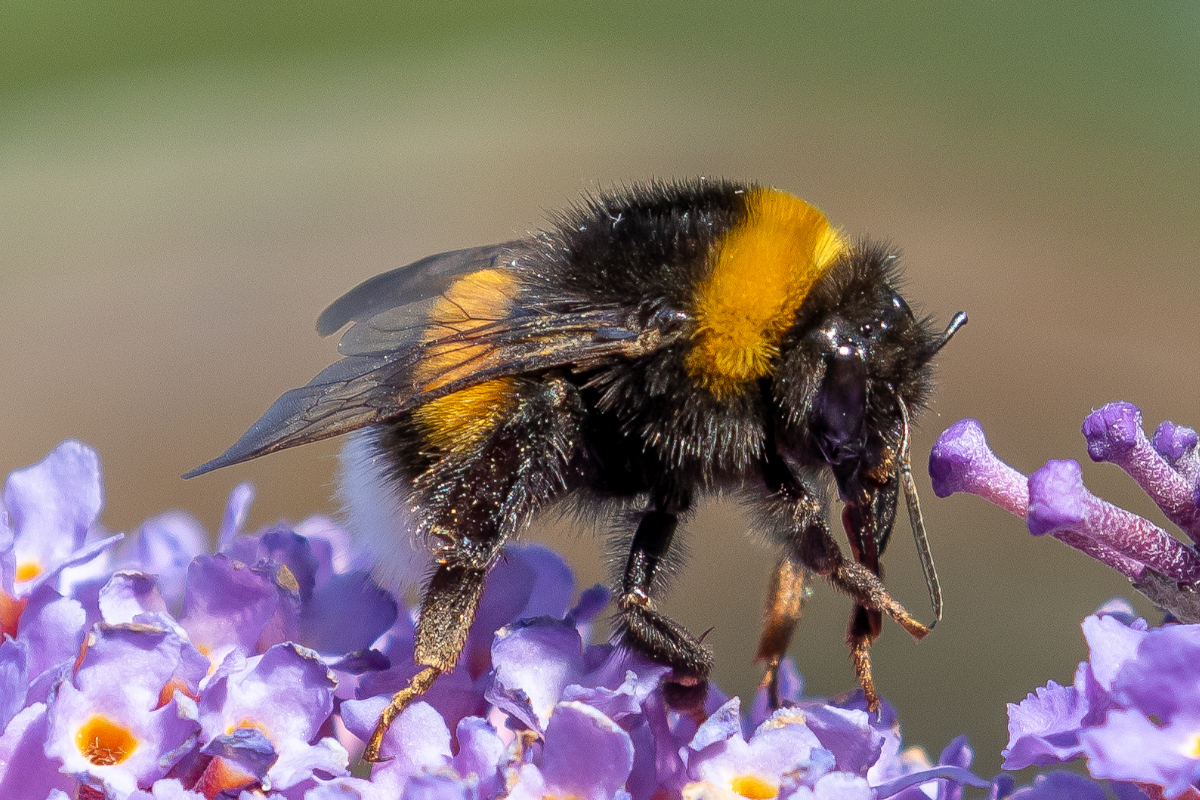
{"points": [[473, 499], [646, 629], [811, 547], [785, 606]]}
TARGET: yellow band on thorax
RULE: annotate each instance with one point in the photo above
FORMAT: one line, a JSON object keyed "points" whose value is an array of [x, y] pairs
{"points": [[760, 273]]}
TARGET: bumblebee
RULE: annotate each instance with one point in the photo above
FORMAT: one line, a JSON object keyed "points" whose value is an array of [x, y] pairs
{"points": [[651, 346]]}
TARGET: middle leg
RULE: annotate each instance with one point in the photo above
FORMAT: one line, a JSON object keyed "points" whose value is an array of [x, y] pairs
{"points": [[648, 630]]}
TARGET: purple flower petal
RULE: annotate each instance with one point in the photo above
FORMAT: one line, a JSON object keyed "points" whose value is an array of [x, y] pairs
{"points": [[165, 545], [555, 582], [841, 786], [1164, 679], [1114, 434], [26, 773], [284, 546], [480, 755], [436, 787], [1130, 747], [299, 762], [51, 629], [248, 747], [1060, 786], [348, 789], [1111, 645], [586, 755], [166, 789], [846, 733], [128, 594], [1044, 728], [720, 726], [14, 679], [51, 507], [534, 661], [347, 613], [236, 511], [591, 602]]}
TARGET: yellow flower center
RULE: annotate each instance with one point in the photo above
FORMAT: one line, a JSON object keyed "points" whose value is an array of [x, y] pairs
{"points": [[753, 787]]}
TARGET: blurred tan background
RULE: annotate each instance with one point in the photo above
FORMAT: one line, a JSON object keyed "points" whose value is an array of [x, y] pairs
{"points": [[184, 189]]}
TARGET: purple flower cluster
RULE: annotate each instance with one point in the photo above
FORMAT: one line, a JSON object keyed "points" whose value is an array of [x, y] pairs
{"points": [[1053, 500], [151, 669], [1133, 710]]}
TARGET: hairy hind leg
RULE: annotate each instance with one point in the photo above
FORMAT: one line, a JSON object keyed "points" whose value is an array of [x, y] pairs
{"points": [[472, 500]]}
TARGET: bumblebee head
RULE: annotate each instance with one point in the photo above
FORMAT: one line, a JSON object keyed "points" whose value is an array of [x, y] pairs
{"points": [[858, 362]]}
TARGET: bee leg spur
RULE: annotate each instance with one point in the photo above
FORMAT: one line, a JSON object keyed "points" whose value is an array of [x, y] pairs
{"points": [[647, 630]]}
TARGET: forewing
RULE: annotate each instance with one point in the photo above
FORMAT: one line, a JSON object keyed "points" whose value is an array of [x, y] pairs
{"points": [[413, 283], [343, 397], [363, 390]]}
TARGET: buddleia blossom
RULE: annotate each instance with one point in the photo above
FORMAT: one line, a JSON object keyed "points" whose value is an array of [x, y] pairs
{"points": [[1131, 711], [153, 669]]}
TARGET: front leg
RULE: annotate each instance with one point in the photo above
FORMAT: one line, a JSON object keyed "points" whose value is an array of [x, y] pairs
{"points": [[809, 547]]}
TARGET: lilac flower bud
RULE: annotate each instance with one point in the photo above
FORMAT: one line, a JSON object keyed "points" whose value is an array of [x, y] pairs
{"points": [[961, 461], [1058, 501], [1178, 445], [1114, 434]]}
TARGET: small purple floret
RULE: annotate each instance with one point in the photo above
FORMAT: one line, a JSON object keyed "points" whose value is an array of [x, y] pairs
{"points": [[962, 461], [1057, 498], [1174, 441], [1179, 446], [1114, 434], [1059, 502], [1112, 431]]}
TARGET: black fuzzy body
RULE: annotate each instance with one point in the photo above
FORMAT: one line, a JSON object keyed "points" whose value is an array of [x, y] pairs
{"points": [[580, 341]]}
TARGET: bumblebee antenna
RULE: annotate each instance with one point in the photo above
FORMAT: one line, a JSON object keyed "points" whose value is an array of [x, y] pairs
{"points": [[914, 504], [956, 322]]}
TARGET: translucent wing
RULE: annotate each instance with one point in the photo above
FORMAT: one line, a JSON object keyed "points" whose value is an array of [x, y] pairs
{"points": [[409, 353], [420, 280]]}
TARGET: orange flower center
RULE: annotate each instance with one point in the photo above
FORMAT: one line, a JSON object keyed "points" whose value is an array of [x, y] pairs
{"points": [[27, 571], [104, 742]]}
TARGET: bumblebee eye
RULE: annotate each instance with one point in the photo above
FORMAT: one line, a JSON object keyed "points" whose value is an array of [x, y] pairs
{"points": [[840, 406]]}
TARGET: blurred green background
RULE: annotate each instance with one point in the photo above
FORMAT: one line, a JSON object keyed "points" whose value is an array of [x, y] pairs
{"points": [[183, 188]]}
